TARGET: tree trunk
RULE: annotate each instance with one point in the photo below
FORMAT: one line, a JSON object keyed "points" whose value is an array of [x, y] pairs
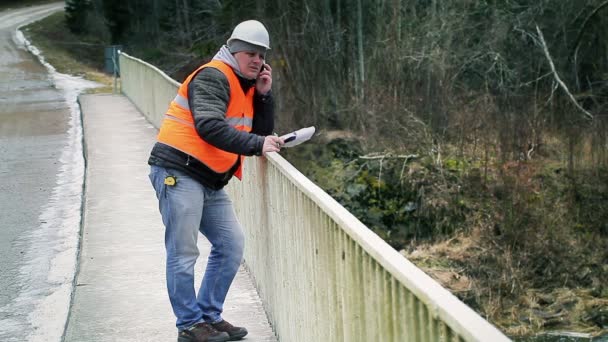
{"points": [[186, 18], [360, 56]]}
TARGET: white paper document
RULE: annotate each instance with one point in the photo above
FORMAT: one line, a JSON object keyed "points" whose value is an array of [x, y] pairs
{"points": [[297, 137]]}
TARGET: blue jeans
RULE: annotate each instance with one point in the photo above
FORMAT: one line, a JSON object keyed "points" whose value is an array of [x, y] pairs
{"points": [[187, 208]]}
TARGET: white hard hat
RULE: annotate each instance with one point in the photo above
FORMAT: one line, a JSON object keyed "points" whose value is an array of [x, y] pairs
{"points": [[253, 32]]}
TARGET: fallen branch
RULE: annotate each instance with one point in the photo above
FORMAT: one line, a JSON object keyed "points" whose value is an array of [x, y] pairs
{"points": [[557, 78], [388, 156]]}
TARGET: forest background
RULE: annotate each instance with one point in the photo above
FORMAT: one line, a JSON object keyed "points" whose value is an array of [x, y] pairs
{"points": [[470, 135]]}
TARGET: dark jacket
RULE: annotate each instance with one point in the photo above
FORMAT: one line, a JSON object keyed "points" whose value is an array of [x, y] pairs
{"points": [[208, 96]]}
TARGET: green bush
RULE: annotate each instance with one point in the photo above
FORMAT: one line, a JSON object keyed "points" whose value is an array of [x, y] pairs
{"points": [[398, 200]]}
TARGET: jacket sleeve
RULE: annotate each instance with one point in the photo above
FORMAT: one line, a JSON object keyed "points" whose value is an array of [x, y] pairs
{"points": [[208, 96], [263, 118]]}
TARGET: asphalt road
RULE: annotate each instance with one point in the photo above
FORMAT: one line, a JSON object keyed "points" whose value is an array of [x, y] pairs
{"points": [[35, 123]]}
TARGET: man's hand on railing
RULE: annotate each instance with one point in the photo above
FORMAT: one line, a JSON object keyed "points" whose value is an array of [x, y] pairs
{"points": [[272, 143]]}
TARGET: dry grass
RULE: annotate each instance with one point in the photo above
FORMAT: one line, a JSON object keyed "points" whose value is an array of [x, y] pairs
{"points": [[453, 263]]}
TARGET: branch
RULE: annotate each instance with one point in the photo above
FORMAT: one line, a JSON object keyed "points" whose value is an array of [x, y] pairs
{"points": [[389, 156], [557, 78], [579, 36]]}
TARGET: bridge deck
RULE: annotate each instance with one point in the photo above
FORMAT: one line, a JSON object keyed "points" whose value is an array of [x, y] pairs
{"points": [[120, 292]]}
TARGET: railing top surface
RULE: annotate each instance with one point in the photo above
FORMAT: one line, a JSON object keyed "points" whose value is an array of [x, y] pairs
{"points": [[440, 302], [162, 73]]}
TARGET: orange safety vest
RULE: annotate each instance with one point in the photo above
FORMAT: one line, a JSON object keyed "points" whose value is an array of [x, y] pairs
{"points": [[179, 132]]}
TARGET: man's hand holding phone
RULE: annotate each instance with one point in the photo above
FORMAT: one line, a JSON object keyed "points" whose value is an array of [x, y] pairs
{"points": [[263, 83]]}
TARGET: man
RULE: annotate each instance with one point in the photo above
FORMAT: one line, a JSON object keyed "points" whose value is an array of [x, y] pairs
{"points": [[223, 111]]}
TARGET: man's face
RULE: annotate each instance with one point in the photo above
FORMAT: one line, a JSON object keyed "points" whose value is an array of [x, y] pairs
{"points": [[250, 63]]}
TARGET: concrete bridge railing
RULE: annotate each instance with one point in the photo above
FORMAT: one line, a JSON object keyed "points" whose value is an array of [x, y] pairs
{"points": [[321, 273]]}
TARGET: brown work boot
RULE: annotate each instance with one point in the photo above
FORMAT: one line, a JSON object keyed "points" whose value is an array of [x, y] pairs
{"points": [[202, 332], [235, 333]]}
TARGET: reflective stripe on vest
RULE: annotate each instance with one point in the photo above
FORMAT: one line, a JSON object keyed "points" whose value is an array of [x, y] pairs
{"points": [[182, 102], [178, 129]]}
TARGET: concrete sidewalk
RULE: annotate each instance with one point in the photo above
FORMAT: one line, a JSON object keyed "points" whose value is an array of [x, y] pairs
{"points": [[120, 294]]}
